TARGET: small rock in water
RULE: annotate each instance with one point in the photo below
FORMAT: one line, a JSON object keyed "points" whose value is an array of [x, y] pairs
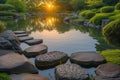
{"points": [[22, 39], [21, 35], [34, 41], [19, 32]]}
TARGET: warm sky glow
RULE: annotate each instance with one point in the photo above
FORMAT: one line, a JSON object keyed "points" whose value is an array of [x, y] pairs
{"points": [[49, 6]]}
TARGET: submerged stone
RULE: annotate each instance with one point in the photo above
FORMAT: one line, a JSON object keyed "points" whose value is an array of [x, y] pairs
{"points": [[87, 59], [70, 72], [50, 59], [35, 50]]}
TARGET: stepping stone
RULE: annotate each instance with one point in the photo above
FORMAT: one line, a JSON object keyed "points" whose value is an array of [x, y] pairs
{"points": [[35, 50], [15, 63], [87, 59], [27, 77], [105, 78], [50, 59], [22, 35], [19, 32], [34, 41], [4, 52], [70, 72], [108, 70], [23, 39]]}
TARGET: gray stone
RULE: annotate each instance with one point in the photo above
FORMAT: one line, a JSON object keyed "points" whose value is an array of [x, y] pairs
{"points": [[108, 70], [34, 41], [35, 50], [81, 22], [14, 63], [23, 39], [50, 59], [70, 72], [21, 35], [27, 77], [4, 52], [105, 78], [87, 59], [19, 32]]}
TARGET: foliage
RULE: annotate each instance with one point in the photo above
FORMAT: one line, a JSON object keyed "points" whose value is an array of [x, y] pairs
{"points": [[112, 32], [112, 56], [2, 1], [117, 16], [77, 4], [87, 14], [107, 9], [110, 2], [6, 7], [19, 5], [4, 76], [2, 26], [117, 6], [6, 13], [97, 19]]}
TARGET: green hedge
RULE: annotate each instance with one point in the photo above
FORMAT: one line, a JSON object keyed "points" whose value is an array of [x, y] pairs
{"points": [[112, 32], [6, 7], [117, 6], [107, 9], [87, 14], [2, 26], [7, 13], [97, 19]]}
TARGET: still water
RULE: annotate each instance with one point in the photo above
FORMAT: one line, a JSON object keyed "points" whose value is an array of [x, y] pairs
{"points": [[58, 36]]}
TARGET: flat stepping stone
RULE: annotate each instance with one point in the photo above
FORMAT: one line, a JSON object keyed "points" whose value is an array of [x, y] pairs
{"points": [[87, 59], [34, 41], [70, 72], [28, 77], [21, 35], [105, 78], [23, 39], [15, 63], [4, 52], [108, 70], [50, 59], [19, 32], [35, 50]]}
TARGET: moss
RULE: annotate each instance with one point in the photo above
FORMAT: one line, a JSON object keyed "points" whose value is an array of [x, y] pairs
{"points": [[112, 32], [4, 76], [2, 26], [112, 56], [107, 9]]}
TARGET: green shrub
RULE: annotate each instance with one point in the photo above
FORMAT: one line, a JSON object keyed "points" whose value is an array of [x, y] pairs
{"points": [[2, 26], [4, 76], [6, 13], [2, 1], [87, 14], [107, 9], [19, 5], [112, 32], [112, 56], [116, 16], [117, 6], [97, 19], [6, 7]]}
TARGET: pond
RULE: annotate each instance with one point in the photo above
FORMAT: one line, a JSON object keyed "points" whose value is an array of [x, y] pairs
{"points": [[59, 36]]}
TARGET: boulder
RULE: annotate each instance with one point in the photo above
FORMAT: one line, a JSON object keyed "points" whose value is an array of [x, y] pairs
{"points": [[108, 70], [23, 39], [27, 77], [87, 59], [35, 50], [70, 72], [50, 59], [19, 32], [34, 41], [21, 35], [8, 40], [105, 78], [15, 63]]}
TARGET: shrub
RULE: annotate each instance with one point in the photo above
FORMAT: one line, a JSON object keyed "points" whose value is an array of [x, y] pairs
{"points": [[112, 32], [97, 19], [4, 76], [87, 14], [2, 1], [6, 13], [107, 9], [117, 16], [117, 6], [19, 5], [112, 56], [2, 26], [6, 7]]}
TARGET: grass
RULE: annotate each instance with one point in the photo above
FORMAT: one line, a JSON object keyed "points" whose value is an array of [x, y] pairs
{"points": [[112, 56]]}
